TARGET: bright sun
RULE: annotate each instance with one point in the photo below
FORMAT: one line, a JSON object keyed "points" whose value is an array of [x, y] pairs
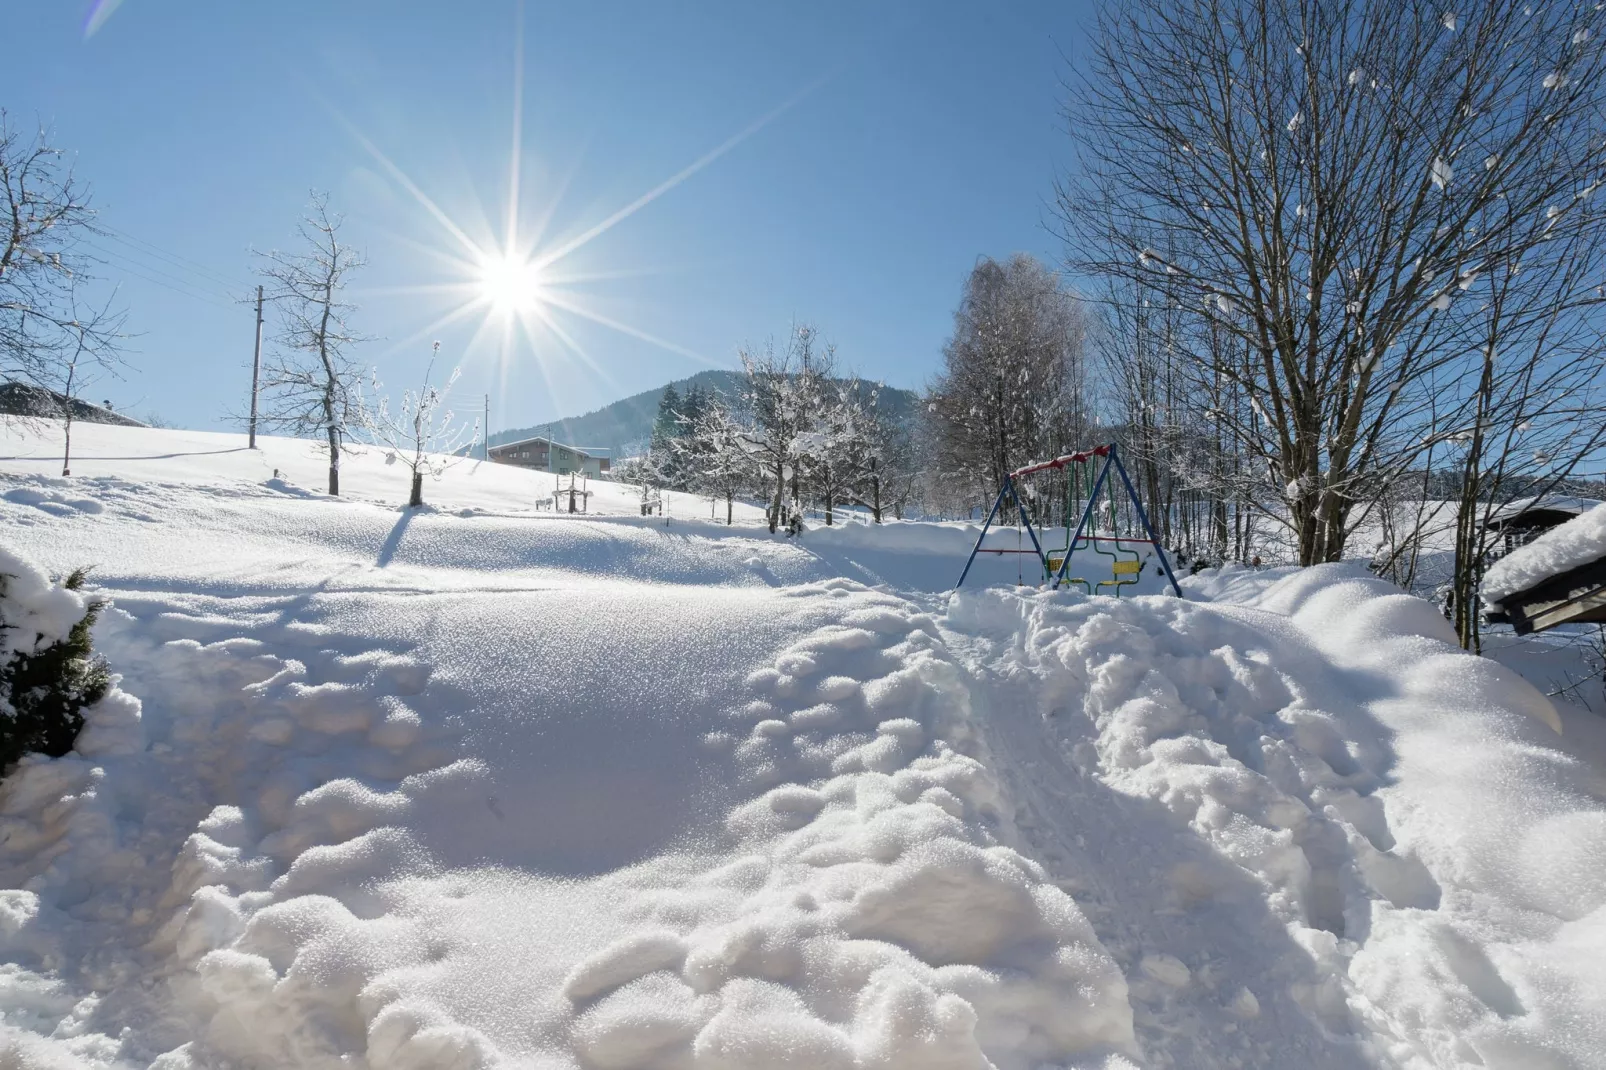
{"points": [[518, 284], [510, 283]]}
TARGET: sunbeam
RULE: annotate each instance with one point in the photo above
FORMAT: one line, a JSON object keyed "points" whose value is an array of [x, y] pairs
{"points": [[552, 297], [552, 257], [511, 281]]}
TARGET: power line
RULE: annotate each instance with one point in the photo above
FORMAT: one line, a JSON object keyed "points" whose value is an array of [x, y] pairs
{"points": [[176, 284], [183, 263]]}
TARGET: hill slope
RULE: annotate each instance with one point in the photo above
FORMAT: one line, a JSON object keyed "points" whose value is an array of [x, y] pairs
{"points": [[628, 421]]}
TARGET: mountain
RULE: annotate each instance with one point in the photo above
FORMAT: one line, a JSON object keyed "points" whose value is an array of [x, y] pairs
{"points": [[622, 426]]}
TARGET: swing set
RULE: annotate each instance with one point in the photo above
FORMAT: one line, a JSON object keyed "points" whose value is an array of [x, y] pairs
{"points": [[1126, 562]]}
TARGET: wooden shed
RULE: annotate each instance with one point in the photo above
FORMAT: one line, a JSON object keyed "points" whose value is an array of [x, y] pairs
{"points": [[1576, 596]]}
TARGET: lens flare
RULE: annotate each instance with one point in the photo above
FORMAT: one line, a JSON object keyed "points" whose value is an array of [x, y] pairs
{"points": [[98, 14]]}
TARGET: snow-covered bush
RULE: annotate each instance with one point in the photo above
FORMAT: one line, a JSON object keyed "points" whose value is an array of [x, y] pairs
{"points": [[48, 671]]}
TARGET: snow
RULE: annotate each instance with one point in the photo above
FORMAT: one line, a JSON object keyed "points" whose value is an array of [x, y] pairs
{"points": [[1580, 541], [1442, 172], [37, 612], [480, 787], [288, 466]]}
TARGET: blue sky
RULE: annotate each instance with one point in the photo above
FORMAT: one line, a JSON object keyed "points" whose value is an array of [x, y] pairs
{"points": [[918, 137]]}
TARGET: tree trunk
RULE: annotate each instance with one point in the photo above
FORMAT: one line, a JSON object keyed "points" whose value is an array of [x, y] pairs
{"points": [[66, 447], [780, 492], [334, 461], [417, 497], [828, 503], [728, 507]]}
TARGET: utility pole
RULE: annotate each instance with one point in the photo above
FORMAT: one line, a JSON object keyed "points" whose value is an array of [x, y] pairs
{"points": [[485, 442], [256, 371]]}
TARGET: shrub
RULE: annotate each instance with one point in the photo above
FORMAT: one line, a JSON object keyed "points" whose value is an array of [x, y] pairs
{"points": [[50, 673]]}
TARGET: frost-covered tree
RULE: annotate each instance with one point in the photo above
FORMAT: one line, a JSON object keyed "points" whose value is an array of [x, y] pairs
{"points": [[887, 471], [419, 431], [835, 451], [717, 454], [1335, 185], [783, 396], [1011, 389], [312, 384]]}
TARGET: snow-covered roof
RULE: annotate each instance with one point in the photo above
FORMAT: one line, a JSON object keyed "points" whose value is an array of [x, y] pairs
{"points": [[1561, 503], [547, 441], [1565, 547]]}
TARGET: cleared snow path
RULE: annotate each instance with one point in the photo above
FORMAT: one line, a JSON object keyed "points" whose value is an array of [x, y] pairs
{"points": [[1216, 978], [1310, 830]]}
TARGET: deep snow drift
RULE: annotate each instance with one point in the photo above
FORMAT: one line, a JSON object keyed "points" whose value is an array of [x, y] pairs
{"points": [[480, 787]]}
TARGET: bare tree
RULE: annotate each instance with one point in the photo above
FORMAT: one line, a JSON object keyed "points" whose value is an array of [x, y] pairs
{"points": [[1011, 389], [1531, 402], [89, 331], [1321, 179], [420, 432], [46, 338], [312, 384]]}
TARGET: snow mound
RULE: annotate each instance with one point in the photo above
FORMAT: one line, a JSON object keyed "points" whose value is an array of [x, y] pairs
{"points": [[1580, 541], [356, 873], [1321, 735]]}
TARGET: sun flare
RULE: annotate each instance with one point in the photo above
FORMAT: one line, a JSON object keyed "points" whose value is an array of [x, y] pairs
{"points": [[511, 284], [520, 285]]}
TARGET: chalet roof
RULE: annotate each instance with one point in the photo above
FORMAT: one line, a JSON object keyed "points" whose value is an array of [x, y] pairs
{"points": [[547, 441]]}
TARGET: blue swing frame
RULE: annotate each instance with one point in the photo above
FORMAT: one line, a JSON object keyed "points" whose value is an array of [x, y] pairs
{"points": [[1111, 460]]}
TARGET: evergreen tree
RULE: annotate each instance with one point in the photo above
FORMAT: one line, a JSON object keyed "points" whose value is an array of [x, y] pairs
{"points": [[666, 431], [47, 683]]}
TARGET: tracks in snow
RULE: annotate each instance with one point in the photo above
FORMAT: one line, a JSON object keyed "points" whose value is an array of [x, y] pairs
{"points": [[1217, 979]]}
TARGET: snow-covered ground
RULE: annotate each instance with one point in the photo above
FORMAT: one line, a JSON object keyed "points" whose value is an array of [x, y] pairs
{"points": [[298, 467], [484, 787]]}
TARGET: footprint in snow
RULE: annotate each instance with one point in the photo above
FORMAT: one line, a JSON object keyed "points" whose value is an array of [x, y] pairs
{"points": [[1167, 969]]}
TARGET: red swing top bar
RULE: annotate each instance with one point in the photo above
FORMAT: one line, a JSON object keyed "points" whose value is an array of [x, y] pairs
{"points": [[1062, 462]]}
